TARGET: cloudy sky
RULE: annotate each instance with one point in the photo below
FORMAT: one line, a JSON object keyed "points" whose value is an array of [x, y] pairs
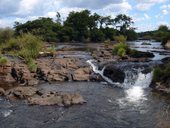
{"points": [[147, 14]]}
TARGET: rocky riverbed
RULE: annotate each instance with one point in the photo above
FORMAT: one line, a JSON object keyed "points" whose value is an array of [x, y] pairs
{"points": [[64, 80]]}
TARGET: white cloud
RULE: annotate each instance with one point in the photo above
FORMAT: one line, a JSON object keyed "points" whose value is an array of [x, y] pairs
{"points": [[144, 5], [146, 16], [165, 9], [120, 7], [26, 6]]}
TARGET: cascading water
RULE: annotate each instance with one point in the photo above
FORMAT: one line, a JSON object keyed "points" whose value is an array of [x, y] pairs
{"points": [[133, 77], [134, 84]]}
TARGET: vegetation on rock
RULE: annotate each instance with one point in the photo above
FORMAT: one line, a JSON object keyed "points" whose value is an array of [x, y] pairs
{"points": [[161, 73]]}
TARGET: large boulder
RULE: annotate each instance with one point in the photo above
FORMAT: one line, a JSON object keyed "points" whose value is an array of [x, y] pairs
{"points": [[114, 73], [140, 54]]}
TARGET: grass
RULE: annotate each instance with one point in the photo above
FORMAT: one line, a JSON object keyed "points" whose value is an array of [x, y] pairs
{"points": [[3, 61], [32, 66]]}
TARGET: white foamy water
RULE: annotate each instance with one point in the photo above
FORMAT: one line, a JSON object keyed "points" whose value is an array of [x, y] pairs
{"points": [[131, 78], [6, 113]]}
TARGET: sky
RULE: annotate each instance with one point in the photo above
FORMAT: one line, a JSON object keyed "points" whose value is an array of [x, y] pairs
{"points": [[147, 14]]}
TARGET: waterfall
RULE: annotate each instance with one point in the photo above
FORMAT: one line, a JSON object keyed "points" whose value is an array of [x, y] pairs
{"points": [[133, 77]]}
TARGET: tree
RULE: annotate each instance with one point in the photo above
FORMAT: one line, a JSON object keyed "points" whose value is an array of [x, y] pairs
{"points": [[163, 28], [79, 22], [43, 27], [123, 23]]}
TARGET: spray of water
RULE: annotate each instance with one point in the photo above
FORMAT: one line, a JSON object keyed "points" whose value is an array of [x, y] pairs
{"points": [[134, 77]]}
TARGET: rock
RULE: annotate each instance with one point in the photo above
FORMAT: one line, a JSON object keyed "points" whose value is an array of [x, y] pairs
{"points": [[33, 82], [146, 43], [139, 54], [115, 74], [55, 98], [82, 74], [46, 99], [20, 92], [95, 77], [166, 60], [2, 91], [77, 99], [167, 45]]}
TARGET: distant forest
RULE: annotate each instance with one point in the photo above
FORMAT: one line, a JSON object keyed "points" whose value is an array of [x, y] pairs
{"points": [[79, 26]]}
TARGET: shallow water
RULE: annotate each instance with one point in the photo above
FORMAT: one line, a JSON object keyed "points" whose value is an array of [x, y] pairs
{"points": [[155, 47], [106, 107]]}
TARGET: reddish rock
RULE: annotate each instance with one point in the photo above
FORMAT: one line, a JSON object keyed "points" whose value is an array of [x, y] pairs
{"points": [[20, 92]]}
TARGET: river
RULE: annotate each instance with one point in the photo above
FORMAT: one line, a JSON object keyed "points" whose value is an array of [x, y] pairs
{"points": [[114, 105]]}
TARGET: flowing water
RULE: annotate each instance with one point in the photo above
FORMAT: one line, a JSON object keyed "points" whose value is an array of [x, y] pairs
{"points": [[130, 104]]}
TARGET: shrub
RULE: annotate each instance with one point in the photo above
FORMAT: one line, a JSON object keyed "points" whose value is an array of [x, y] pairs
{"points": [[6, 34], [120, 39], [158, 72], [27, 45], [32, 66], [120, 46], [3, 60], [167, 70], [121, 52], [161, 73]]}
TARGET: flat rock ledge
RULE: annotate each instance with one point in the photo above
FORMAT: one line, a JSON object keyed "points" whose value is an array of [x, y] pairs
{"points": [[35, 97]]}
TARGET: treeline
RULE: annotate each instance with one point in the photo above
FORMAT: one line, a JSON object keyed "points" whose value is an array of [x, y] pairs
{"points": [[80, 27], [162, 34]]}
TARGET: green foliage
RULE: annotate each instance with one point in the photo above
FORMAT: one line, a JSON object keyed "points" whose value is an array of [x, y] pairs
{"points": [[120, 39], [6, 34], [32, 66], [42, 27], [120, 49], [121, 52], [97, 35], [161, 73], [79, 26], [27, 45], [158, 72], [52, 50], [123, 22], [3, 61]]}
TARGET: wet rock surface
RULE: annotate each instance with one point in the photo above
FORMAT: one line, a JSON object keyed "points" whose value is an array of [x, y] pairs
{"points": [[115, 74], [34, 96]]}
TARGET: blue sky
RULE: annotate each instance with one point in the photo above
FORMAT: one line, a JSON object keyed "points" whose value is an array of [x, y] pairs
{"points": [[147, 14]]}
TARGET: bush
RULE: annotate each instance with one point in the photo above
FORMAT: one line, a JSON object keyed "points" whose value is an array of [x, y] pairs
{"points": [[6, 34], [3, 60], [161, 73], [158, 72], [121, 52], [120, 39], [32, 66], [120, 46], [27, 46]]}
